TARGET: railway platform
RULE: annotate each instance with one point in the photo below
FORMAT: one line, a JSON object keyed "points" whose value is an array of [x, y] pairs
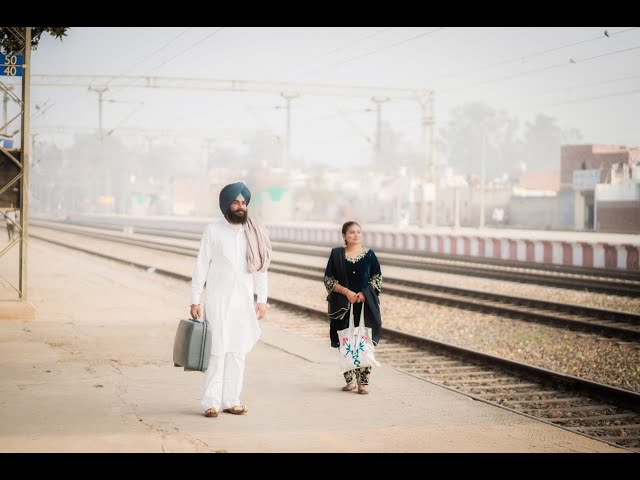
{"points": [[92, 372]]}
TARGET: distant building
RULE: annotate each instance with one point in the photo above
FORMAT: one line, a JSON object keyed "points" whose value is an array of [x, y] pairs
{"points": [[540, 180], [618, 199], [582, 168]]}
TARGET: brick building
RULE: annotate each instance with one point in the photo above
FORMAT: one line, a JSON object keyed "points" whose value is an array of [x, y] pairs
{"points": [[582, 167]]}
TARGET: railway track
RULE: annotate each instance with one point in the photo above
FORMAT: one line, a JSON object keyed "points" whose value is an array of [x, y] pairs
{"points": [[612, 323], [622, 284], [604, 322], [612, 282]]}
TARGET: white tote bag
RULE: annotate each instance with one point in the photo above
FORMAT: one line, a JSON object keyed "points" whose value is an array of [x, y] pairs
{"points": [[356, 347]]}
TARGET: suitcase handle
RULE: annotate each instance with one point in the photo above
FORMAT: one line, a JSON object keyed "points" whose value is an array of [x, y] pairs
{"points": [[204, 338]]}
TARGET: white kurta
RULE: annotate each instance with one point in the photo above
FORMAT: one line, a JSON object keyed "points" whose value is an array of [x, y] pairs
{"points": [[228, 304]]}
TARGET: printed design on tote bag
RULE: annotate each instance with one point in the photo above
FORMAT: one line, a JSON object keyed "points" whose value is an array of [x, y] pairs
{"points": [[353, 349]]}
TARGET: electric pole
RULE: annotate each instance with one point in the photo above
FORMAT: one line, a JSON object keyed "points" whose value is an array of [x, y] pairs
{"points": [[288, 96], [100, 89], [379, 101], [429, 177], [432, 154], [24, 145], [483, 154]]}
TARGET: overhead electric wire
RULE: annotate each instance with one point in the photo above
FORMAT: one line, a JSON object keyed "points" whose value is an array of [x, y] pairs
{"points": [[588, 99], [351, 44], [377, 50], [338, 49], [185, 50], [134, 65], [537, 70], [528, 56], [165, 62], [126, 117], [586, 85], [530, 93]]}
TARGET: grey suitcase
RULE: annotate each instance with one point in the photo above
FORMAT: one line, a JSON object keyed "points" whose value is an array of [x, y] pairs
{"points": [[192, 345]]}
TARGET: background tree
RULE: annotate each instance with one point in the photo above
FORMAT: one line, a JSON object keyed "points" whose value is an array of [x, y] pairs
{"points": [[12, 38], [463, 139], [542, 139], [571, 136], [509, 147], [396, 151]]}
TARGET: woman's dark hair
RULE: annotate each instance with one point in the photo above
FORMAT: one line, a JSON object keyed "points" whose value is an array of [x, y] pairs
{"points": [[346, 226]]}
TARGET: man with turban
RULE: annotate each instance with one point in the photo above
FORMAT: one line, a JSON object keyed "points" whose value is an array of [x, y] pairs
{"points": [[234, 255]]}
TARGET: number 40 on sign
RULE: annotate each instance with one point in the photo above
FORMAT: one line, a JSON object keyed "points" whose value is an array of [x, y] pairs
{"points": [[11, 65]]}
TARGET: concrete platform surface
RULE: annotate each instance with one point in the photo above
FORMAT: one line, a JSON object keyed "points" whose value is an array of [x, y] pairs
{"points": [[94, 373]]}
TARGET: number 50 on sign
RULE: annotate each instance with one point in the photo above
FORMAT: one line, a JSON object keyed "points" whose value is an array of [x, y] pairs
{"points": [[11, 65]]}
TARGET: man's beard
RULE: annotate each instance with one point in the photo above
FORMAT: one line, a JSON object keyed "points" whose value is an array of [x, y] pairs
{"points": [[233, 217]]}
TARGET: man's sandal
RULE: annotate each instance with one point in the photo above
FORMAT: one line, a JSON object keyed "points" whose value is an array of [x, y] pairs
{"points": [[237, 410], [212, 412]]}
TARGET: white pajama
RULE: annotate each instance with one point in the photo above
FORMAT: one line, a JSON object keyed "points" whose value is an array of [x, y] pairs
{"points": [[223, 381]]}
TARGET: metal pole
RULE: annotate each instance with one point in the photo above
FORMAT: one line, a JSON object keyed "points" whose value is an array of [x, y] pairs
{"points": [[287, 145], [100, 91], [5, 101], [428, 137], [100, 115], [424, 219], [483, 152], [595, 211], [378, 128], [24, 181], [202, 203], [456, 212], [287, 141], [379, 101], [432, 156]]}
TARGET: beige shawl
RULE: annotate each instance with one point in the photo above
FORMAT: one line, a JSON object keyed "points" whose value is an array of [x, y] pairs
{"points": [[258, 246]]}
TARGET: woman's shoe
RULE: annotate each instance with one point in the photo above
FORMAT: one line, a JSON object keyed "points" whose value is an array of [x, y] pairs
{"points": [[348, 387], [362, 390]]}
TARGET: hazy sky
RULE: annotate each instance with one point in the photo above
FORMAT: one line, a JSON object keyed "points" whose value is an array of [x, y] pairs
{"points": [[584, 78]]}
